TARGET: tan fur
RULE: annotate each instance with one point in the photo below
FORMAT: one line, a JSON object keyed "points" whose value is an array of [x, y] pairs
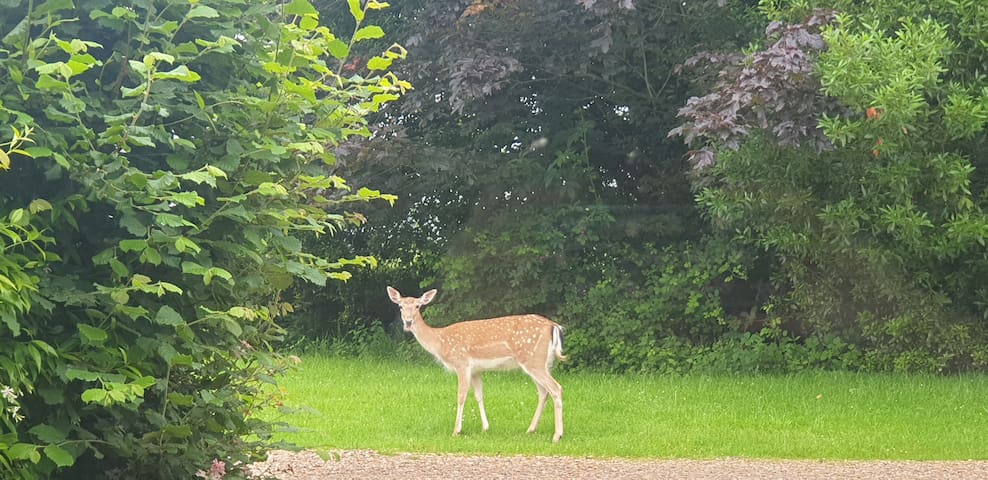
{"points": [[530, 342]]}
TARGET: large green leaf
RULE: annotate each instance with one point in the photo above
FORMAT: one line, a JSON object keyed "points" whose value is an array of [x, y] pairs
{"points": [[339, 49], [92, 334], [60, 456], [300, 7], [368, 32], [202, 11], [168, 316], [355, 10], [48, 434], [23, 451], [133, 244]]}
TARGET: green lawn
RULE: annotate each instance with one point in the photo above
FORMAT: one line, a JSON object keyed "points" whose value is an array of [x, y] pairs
{"points": [[393, 407]]}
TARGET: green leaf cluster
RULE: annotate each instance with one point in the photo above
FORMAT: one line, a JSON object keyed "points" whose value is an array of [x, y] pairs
{"points": [[162, 164], [880, 239]]}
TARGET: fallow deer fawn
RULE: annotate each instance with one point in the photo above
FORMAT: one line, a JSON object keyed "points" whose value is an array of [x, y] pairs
{"points": [[529, 342]]}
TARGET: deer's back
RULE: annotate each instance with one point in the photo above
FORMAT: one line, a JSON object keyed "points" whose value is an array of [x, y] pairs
{"points": [[517, 337]]}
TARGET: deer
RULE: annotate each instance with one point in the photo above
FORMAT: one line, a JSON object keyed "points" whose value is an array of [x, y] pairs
{"points": [[529, 342]]}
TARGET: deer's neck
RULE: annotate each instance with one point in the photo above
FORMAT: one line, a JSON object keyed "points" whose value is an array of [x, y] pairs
{"points": [[430, 338]]}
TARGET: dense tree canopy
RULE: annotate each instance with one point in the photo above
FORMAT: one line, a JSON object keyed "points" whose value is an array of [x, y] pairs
{"points": [[828, 214], [532, 157]]}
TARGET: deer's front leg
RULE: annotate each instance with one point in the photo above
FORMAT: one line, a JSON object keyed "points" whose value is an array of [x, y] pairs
{"points": [[463, 387]]}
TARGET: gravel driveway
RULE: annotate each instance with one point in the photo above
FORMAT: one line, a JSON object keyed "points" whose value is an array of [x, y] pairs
{"points": [[366, 464]]}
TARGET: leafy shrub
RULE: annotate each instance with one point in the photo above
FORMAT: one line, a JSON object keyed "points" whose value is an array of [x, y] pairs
{"points": [[165, 162], [871, 203], [773, 350], [650, 319]]}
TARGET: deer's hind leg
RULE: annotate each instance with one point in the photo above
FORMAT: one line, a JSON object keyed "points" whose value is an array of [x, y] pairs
{"points": [[478, 393], [549, 386], [543, 395]]}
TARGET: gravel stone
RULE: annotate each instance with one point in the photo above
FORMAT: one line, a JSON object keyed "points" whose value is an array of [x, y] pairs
{"points": [[367, 464]]}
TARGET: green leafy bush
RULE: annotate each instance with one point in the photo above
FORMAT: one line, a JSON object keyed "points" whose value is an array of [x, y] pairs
{"points": [[872, 202], [651, 308], [774, 350], [162, 162]]}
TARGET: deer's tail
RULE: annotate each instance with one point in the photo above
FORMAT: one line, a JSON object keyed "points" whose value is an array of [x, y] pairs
{"points": [[557, 342]]}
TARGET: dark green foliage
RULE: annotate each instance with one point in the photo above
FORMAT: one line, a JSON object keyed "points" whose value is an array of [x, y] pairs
{"points": [[837, 164], [528, 157], [162, 164], [647, 311], [879, 238]]}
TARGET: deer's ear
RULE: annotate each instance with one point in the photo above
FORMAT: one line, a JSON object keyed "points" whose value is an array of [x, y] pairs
{"points": [[394, 295], [427, 297]]}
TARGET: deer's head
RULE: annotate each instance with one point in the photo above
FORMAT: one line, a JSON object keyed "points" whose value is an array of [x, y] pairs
{"points": [[410, 306]]}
